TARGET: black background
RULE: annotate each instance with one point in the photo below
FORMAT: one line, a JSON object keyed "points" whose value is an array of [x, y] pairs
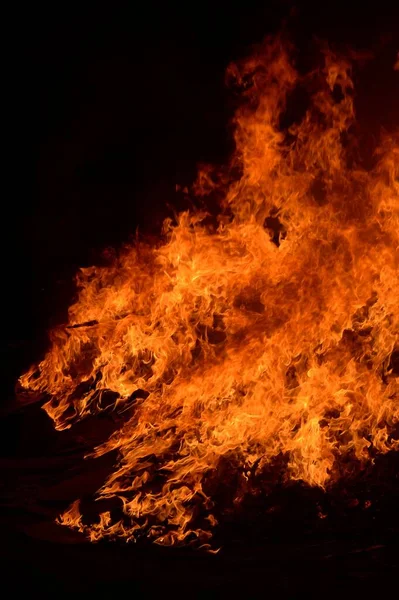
{"points": [[107, 108]]}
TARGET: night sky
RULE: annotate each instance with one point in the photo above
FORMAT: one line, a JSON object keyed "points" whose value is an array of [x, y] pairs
{"points": [[109, 108]]}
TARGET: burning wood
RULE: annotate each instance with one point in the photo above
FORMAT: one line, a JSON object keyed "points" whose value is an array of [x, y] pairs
{"points": [[272, 336]]}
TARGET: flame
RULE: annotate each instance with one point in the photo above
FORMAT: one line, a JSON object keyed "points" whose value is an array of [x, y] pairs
{"points": [[271, 331]]}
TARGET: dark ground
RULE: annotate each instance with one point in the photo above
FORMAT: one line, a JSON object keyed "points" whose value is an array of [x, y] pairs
{"points": [[277, 544], [105, 109]]}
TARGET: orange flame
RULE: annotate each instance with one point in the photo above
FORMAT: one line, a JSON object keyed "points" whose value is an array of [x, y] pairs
{"points": [[273, 332]]}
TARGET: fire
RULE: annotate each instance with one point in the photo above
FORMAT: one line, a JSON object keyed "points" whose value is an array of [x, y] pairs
{"points": [[269, 331]]}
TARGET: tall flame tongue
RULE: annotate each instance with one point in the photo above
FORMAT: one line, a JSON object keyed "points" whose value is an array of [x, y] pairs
{"points": [[275, 333]]}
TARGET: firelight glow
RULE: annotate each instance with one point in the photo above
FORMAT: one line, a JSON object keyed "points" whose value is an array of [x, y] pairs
{"points": [[267, 331]]}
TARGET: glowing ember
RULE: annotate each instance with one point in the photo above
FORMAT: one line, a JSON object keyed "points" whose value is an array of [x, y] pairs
{"points": [[272, 333]]}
